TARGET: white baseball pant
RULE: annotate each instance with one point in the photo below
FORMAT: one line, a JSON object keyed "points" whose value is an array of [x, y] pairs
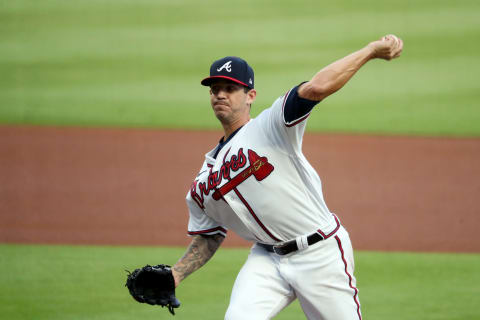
{"points": [[320, 276]]}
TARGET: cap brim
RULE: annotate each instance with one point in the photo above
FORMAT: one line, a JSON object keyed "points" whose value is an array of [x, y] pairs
{"points": [[208, 81]]}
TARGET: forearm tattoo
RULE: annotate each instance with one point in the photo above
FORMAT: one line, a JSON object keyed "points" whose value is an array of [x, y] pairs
{"points": [[200, 250]]}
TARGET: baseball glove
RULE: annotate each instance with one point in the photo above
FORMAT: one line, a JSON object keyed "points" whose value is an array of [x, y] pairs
{"points": [[153, 285]]}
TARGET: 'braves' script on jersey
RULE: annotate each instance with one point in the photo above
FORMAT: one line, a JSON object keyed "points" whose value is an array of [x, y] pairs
{"points": [[259, 167]]}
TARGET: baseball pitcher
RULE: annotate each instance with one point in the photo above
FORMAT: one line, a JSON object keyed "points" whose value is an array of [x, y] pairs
{"points": [[257, 182]]}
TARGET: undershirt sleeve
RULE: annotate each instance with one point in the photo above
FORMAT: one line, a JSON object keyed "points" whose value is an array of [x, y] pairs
{"points": [[297, 107]]}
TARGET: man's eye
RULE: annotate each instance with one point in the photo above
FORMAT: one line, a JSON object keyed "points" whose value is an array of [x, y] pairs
{"points": [[231, 89]]}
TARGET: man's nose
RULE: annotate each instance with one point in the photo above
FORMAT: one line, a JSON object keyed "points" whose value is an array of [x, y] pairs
{"points": [[222, 94]]}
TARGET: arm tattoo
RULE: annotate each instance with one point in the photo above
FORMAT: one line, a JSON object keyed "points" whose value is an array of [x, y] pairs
{"points": [[200, 250]]}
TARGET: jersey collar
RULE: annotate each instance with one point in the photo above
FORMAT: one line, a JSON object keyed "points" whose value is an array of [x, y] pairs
{"points": [[223, 142]]}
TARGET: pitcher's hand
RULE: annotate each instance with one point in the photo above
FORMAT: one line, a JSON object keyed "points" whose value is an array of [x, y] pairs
{"points": [[388, 47]]}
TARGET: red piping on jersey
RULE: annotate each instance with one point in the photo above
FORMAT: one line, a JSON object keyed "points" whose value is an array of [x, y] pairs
{"points": [[326, 236], [283, 112], [254, 215], [355, 295], [298, 121], [207, 231]]}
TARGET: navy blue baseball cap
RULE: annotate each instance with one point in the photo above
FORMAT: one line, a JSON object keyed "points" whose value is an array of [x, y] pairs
{"points": [[231, 68]]}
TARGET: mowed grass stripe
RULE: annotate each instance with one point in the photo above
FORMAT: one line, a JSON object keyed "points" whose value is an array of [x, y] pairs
{"points": [[87, 282], [138, 63]]}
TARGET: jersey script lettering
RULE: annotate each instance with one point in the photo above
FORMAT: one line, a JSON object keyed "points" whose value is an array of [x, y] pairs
{"points": [[259, 167]]}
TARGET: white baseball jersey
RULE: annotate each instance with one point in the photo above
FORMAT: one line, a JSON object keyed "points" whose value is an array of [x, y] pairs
{"points": [[260, 184]]}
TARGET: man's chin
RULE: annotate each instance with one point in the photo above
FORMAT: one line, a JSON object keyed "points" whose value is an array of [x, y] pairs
{"points": [[221, 115]]}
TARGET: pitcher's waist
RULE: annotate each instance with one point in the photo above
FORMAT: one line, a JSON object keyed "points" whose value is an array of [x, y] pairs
{"points": [[301, 242]]}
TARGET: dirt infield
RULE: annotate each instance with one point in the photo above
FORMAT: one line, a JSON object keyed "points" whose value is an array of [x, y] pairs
{"points": [[127, 187]]}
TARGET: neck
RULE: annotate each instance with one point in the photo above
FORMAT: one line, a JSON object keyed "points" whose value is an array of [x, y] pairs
{"points": [[230, 128]]}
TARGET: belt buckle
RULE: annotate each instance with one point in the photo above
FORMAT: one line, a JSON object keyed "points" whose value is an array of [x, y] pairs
{"points": [[281, 250], [321, 236], [275, 248]]}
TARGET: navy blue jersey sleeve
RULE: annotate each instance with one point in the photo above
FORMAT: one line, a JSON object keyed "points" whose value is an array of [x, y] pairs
{"points": [[296, 107]]}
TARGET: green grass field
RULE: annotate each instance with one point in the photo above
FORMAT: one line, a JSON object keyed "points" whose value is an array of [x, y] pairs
{"points": [[139, 63], [82, 282]]}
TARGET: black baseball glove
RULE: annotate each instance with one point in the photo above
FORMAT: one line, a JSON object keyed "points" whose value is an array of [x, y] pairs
{"points": [[153, 285]]}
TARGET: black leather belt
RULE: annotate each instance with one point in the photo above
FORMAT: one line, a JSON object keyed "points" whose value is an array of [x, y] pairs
{"points": [[291, 246]]}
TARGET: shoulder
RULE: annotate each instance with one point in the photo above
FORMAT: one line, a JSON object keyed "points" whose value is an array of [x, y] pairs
{"points": [[295, 107]]}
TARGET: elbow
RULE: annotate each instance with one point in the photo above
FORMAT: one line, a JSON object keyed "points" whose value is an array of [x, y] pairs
{"points": [[315, 91]]}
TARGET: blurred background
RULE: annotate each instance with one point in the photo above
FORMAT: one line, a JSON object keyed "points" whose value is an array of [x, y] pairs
{"points": [[101, 108], [138, 63]]}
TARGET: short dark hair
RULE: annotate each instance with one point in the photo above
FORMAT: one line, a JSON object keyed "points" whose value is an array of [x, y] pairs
{"points": [[246, 89]]}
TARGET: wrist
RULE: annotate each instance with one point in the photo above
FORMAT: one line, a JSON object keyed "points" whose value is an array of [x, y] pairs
{"points": [[176, 277], [370, 51]]}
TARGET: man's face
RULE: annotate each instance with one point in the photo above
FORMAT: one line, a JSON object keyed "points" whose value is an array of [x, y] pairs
{"points": [[229, 100]]}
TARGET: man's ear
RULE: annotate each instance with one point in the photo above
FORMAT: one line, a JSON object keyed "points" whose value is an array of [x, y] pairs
{"points": [[251, 95]]}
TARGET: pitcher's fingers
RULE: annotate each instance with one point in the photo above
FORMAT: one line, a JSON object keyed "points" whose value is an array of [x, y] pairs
{"points": [[398, 52], [400, 47], [397, 40]]}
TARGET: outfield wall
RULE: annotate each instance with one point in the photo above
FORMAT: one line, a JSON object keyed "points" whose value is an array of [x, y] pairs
{"points": [[127, 187]]}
